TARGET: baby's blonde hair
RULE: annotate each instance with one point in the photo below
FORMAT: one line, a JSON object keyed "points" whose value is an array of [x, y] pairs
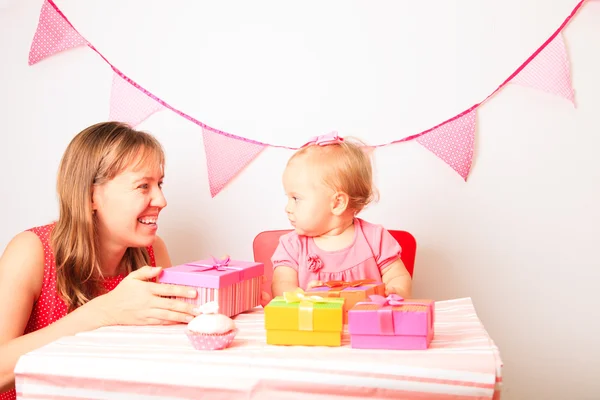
{"points": [[345, 167]]}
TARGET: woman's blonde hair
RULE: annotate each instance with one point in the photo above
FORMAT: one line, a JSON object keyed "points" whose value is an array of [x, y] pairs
{"points": [[346, 167], [96, 155]]}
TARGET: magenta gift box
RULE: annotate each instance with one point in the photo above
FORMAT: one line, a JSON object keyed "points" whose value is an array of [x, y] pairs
{"points": [[234, 284], [391, 323]]}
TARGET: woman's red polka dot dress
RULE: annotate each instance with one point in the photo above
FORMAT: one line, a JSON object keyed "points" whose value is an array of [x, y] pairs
{"points": [[49, 307]]}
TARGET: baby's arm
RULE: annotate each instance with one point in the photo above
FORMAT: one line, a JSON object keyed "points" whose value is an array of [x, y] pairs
{"points": [[285, 279], [397, 280], [285, 264]]}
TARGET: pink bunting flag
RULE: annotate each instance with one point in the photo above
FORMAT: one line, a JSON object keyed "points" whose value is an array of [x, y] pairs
{"points": [[453, 142], [549, 71], [129, 104], [53, 35], [226, 156]]}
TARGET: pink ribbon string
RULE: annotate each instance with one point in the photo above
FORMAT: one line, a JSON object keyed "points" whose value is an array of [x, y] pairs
{"points": [[405, 139]]}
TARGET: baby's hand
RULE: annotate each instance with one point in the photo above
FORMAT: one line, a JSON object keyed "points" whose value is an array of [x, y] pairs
{"points": [[265, 298], [394, 290], [313, 284]]}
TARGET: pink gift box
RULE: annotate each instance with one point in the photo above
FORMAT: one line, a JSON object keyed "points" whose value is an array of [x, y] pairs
{"points": [[234, 284], [391, 323]]}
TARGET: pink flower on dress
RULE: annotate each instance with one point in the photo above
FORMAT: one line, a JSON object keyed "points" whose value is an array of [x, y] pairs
{"points": [[314, 263]]}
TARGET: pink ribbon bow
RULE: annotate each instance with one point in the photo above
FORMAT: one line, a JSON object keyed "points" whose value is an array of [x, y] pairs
{"points": [[391, 300], [385, 314], [324, 140], [219, 265]]}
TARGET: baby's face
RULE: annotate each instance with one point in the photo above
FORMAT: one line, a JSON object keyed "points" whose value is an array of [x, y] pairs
{"points": [[309, 201]]}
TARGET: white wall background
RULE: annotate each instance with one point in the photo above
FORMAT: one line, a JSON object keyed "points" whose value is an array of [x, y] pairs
{"points": [[519, 238]]}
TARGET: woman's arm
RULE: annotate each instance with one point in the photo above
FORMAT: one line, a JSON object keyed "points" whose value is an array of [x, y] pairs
{"points": [[21, 278], [135, 301]]}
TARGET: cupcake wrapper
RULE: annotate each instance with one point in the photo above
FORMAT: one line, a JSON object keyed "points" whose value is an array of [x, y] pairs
{"points": [[202, 341]]}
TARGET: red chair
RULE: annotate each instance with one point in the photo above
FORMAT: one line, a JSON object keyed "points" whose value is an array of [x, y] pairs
{"points": [[266, 242]]}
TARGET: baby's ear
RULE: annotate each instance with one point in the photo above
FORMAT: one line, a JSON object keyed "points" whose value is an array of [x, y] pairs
{"points": [[339, 203]]}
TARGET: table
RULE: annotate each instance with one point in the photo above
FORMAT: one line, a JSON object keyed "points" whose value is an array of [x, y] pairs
{"points": [[158, 362]]}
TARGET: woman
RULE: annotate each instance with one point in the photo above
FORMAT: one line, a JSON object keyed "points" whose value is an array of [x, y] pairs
{"points": [[95, 266]]}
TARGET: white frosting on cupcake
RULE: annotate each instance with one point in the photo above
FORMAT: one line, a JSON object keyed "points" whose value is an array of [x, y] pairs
{"points": [[210, 322]]}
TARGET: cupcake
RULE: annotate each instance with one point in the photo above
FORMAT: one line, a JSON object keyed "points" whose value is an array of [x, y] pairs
{"points": [[211, 330]]}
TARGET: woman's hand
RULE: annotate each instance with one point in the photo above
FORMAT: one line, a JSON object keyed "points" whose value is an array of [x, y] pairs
{"points": [[137, 301]]}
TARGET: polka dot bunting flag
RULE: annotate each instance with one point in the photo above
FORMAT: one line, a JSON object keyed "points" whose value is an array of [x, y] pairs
{"points": [[549, 71], [453, 142], [53, 35], [226, 157], [129, 104]]}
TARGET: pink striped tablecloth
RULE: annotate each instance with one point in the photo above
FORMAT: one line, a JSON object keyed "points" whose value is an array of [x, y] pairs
{"points": [[152, 362]]}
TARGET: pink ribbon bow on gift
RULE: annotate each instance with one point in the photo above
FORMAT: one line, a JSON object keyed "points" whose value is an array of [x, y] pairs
{"points": [[385, 313], [324, 140], [391, 300], [219, 265]]}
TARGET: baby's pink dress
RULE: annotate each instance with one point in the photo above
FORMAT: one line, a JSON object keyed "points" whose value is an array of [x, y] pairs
{"points": [[373, 249]]}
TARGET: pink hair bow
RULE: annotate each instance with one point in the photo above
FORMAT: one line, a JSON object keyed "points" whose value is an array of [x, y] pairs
{"points": [[324, 140]]}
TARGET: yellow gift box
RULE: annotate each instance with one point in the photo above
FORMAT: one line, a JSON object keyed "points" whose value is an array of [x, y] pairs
{"points": [[296, 319]]}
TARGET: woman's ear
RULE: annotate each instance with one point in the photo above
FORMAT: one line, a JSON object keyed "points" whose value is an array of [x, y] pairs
{"points": [[339, 203], [93, 204]]}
